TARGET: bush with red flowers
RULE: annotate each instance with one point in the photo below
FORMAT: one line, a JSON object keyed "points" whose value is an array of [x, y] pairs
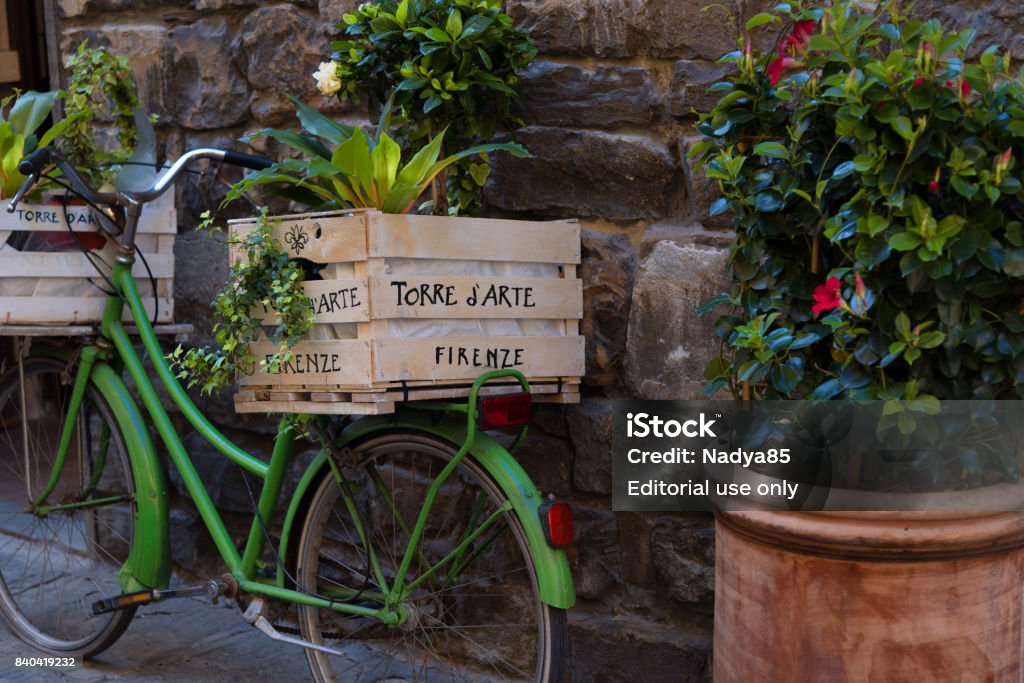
{"points": [[873, 170]]}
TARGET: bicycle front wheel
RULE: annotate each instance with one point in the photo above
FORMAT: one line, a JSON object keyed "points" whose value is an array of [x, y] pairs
{"points": [[56, 560], [474, 616]]}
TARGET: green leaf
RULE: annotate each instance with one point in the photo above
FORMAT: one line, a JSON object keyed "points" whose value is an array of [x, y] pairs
{"points": [[310, 146], [902, 324], [772, 150], [385, 159], [905, 241], [823, 43], [438, 35], [30, 110], [719, 206], [843, 170], [319, 125], [760, 20], [454, 24], [903, 127], [402, 13]]}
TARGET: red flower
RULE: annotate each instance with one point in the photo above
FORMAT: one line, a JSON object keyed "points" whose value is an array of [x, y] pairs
{"points": [[826, 296], [965, 88], [797, 39], [793, 44], [918, 82], [777, 66], [933, 187]]}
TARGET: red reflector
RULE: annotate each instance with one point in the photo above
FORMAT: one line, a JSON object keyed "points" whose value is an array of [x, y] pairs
{"points": [[504, 410], [556, 518]]}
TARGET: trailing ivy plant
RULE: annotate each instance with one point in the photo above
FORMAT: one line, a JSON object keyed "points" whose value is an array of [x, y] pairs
{"points": [[101, 83], [873, 171], [265, 279], [446, 64]]}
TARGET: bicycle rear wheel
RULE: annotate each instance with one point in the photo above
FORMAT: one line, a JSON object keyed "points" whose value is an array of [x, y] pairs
{"points": [[55, 564], [477, 618]]}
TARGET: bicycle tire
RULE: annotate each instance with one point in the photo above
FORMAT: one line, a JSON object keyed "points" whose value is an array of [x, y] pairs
{"points": [[489, 624], [54, 566]]}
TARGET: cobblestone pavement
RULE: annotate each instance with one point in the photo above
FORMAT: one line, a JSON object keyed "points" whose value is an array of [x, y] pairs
{"points": [[178, 640]]}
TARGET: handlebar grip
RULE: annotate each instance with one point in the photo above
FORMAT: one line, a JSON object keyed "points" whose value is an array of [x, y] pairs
{"points": [[36, 161], [247, 160]]}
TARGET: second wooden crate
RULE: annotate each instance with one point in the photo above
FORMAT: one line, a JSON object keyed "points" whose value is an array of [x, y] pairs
{"points": [[417, 307], [45, 278]]}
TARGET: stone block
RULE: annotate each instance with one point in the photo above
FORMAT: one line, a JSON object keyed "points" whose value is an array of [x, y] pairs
{"points": [[606, 650], [71, 9], [637, 556], [679, 29], [594, 554], [551, 418], [548, 461], [601, 97], [576, 173], [690, 81], [590, 427], [332, 12], [200, 269], [205, 90], [608, 269], [278, 50], [668, 344], [684, 557]]}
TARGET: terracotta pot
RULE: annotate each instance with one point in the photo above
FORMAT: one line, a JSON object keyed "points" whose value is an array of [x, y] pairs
{"points": [[862, 596]]}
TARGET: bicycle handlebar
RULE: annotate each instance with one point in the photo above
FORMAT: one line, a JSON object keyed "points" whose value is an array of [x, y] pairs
{"points": [[33, 165]]}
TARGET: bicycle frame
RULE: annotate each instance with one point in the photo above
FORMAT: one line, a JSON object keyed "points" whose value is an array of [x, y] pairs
{"points": [[148, 564]]}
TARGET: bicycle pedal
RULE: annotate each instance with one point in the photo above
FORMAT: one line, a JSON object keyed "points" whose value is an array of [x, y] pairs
{"points": [[123, 601], [211, 589]]}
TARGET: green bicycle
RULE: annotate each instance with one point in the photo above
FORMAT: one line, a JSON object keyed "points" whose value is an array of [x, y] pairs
{"points": [[414, 546]]}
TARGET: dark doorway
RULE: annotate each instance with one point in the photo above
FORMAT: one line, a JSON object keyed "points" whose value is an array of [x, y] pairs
{"points": [[23, 62]]}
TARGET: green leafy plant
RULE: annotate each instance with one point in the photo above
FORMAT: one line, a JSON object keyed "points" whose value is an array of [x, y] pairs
{"points": [[21, 115], [265, 280], [445, 64], [872, 171], [101, 84], [359, 171]]}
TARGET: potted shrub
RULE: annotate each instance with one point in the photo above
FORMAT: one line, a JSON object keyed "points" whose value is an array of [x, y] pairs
{"points": [[872, 167]]}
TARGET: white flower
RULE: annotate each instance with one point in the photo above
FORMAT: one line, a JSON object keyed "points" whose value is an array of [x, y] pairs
{"points": [[327, 80]]}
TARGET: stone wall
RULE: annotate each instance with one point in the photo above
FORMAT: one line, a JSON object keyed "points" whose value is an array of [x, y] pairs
{"points": [[609, 111]]}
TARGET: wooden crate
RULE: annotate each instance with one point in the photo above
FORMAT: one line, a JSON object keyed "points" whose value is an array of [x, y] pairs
{"points": [[386, 275], [51, 288]]}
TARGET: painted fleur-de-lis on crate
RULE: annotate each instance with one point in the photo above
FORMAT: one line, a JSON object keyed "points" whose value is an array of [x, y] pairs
{"points": [[296, 238]]}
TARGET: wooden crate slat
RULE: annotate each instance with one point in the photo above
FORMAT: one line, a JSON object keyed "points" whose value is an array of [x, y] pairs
{"points": [[333, 301], [447, 358], [477, 239], [73, 265], [320, 239], [441, 392], [50, 217], [471, 297], [315, 407], [32, 310], [316, 364]]}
